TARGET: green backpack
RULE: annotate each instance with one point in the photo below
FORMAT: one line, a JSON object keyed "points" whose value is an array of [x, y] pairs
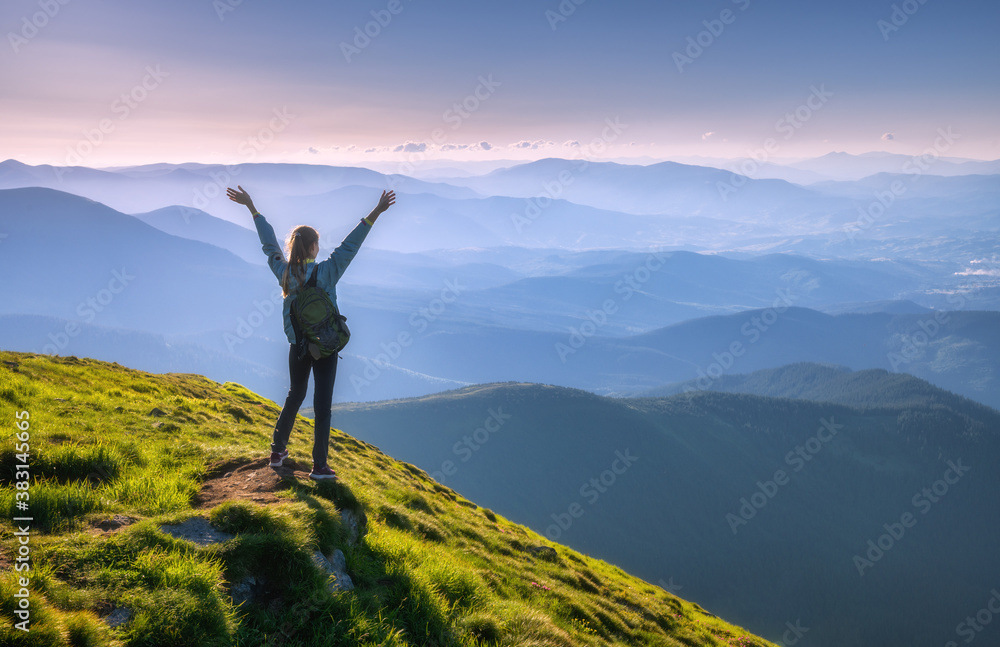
{"points": [[320, 329]]}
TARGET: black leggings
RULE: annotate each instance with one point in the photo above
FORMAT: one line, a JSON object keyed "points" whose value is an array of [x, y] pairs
{"points": [[324, 373]]}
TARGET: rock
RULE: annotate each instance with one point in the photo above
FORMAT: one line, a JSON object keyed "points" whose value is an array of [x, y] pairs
{"points": [[355, 525], [243, 591], [339, 579], [197, 530], [547, 553], [157, 412], [118, 617], [115, 522]]}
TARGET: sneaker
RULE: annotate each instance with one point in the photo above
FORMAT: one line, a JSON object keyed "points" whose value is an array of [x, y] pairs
{"points": [[277, 458], [322, 473]]}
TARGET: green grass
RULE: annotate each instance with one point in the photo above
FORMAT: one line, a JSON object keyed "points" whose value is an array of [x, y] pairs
{"points": [[432, 568]]}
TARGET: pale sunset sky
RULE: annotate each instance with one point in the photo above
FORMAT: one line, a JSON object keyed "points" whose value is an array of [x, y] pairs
{"points": [[112, 82]]}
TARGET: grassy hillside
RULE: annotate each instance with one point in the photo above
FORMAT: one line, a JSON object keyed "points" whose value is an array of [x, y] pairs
{"points": [[117, 454], [682, 511]]}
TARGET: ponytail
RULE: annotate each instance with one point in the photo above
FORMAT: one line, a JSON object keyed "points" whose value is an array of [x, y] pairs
{"points": [[297, 246]]}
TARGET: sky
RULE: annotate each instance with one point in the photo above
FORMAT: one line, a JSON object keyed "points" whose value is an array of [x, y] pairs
{"points": [[107, 83]]}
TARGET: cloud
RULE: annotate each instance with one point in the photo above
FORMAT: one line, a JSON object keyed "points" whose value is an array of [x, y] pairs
{"points": [[313, 150], [485, 146], [454, 147], [411, 147], [535, 145], [888, 137], [572, 144], [705, 137]]}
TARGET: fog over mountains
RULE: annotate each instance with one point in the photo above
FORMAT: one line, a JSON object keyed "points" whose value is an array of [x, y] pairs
{"points": [[706, 318], [597, 275]]}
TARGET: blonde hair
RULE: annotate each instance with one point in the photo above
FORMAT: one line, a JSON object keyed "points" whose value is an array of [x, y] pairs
{"points": [[300, 240]]}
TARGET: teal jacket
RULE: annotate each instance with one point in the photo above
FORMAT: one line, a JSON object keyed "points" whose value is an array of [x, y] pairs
{"points": [[328, 271]]}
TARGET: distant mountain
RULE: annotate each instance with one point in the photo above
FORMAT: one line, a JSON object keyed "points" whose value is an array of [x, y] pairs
{"points": [[954, 350], [203, 186], [143, 351], [844, 166], [901, 307], [82, 261], [866, 389], [198, 225], [666, 188], [721, 493]]}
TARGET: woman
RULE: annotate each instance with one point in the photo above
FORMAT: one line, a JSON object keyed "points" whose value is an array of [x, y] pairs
{"points": [[302, 247]]}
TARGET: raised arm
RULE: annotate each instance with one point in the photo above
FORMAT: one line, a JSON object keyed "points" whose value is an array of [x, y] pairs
{"points": [[345, 252], [387, 200], [268, 240]]}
